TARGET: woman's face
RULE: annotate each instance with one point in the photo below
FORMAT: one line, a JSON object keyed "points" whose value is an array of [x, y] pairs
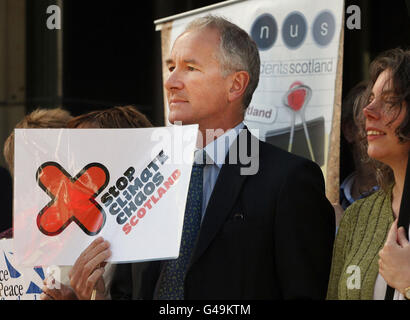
{"points": [[383, 116]]}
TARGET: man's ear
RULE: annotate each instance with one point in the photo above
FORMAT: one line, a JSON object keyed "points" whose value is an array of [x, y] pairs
{"points": [[240, 81]]}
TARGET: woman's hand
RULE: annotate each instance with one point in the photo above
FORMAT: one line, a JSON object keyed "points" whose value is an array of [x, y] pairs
{"points": [[394, 262], [87, 272], [54, 290]]}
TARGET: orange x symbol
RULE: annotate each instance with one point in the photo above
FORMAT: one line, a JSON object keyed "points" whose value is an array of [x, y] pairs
{"points": [[73, 199]]}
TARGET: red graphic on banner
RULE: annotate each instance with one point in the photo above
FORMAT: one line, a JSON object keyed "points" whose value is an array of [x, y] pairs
{"points": [[73, 199], [296, 98]]}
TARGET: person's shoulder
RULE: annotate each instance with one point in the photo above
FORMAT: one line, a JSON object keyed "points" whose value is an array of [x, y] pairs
{"points": [[358, 213], [368, 200], [274, 159], [286, 160], [364, 204], [269, 150]]}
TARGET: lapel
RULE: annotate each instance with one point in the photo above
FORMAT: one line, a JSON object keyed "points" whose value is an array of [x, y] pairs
{"points": [[224, 196]]}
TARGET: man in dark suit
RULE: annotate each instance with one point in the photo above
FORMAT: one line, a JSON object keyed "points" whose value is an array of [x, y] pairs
{"points": [[267, 228]]}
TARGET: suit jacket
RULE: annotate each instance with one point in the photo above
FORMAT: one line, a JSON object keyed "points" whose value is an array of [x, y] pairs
{"points": [[264, 236]]}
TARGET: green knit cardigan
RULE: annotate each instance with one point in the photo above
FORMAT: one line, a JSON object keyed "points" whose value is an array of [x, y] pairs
{"points": [[362, 233]]}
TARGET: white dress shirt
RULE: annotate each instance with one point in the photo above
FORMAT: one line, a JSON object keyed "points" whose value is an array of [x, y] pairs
{"points": [[216, 152]]}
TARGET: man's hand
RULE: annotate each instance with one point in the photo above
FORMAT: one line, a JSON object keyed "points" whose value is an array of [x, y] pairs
{"points": [[394, 262], [87, 272]]}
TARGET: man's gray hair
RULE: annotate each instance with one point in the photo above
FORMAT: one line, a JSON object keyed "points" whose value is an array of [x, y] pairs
{"points": [[238, 52]]}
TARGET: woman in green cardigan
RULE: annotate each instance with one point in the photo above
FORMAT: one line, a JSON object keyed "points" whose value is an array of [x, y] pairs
{"points": [[363, 261]]}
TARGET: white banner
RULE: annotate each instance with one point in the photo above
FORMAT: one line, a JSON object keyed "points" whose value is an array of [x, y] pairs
{"points": [[127, 185]]}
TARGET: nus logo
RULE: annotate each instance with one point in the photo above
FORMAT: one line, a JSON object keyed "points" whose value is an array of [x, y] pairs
{"points": [[73, 199]]}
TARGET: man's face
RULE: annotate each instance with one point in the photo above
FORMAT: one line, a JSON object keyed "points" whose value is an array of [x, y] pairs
{"points": [[196, 91]]}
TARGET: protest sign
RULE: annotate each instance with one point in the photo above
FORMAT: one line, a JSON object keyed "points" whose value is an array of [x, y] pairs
{"points": [[17, 282], [128, 186]]}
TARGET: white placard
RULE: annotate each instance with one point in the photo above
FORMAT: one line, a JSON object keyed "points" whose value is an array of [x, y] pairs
{"points": [[17, 282], [128, 186]]}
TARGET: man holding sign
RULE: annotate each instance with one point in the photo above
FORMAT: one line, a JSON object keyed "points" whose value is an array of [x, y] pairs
{"points": [[258, 229]]}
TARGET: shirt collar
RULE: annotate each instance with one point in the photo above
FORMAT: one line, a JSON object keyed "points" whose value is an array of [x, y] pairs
{"points": [[217, 150], [346, 189], [346, 186]]}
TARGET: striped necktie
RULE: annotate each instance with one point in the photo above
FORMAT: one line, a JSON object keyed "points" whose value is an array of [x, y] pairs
{"points": [[170, 284]]}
